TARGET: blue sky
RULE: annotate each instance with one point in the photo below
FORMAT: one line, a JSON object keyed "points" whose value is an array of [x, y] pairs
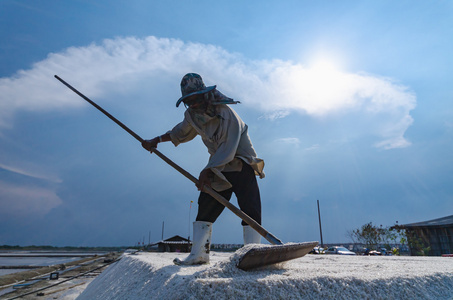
{"points": [[348, 103]]}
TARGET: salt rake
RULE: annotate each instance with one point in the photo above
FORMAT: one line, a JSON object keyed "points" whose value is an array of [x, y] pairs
{"points": [[255, 257]]}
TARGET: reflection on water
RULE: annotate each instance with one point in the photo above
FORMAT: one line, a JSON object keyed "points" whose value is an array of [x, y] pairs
{"points": [[10, 271], [35, 261], [8, 260]]}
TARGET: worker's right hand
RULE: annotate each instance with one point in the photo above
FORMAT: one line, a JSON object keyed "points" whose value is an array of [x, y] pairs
{"points": [[150, 144], [204, 179]]}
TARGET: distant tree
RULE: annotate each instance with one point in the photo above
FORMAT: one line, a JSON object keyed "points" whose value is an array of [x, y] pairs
{"points": [[417, 245], [372, 236], [369, 235]]}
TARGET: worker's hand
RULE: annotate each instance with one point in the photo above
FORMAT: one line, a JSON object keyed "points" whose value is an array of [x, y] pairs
{"points": [[149, 144], [204, 179]]}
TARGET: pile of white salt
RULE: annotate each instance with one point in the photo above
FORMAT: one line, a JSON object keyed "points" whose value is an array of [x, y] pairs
{"points": [[154, 276]]}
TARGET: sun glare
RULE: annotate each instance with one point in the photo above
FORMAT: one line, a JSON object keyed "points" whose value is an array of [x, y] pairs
{"points": [[323, 68], [325, 85], [324, 73]]}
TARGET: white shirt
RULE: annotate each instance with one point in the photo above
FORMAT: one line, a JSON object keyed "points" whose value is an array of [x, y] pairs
{"points": [[226, 137]]}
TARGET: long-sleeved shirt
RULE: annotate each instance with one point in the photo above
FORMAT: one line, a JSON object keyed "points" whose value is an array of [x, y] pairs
{"points": [[226, 137]]}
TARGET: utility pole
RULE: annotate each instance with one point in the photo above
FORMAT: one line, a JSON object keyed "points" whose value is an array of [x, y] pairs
{"points": [[163, 223], [320, 228], [190, 208]]}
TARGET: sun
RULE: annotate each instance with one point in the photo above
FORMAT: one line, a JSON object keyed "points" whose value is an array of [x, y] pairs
{"points": [[324, 76], [324, 67], [325, 85]]}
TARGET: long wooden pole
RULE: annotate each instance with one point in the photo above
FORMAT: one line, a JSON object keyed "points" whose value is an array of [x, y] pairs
{"points": [[247, 219]]}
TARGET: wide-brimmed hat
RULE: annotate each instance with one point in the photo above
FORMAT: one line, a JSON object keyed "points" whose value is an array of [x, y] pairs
{"points": [[192, 84]]}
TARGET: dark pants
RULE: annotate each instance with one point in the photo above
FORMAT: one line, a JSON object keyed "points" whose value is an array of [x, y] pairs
{"points": [[247, 193]]}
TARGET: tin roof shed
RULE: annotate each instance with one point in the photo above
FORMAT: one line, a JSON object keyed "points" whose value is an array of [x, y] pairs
{"points": [[433, 237]]}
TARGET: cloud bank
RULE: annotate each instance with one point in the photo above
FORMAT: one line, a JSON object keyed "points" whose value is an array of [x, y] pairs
{"points": [[276, 88], [26, 200]]}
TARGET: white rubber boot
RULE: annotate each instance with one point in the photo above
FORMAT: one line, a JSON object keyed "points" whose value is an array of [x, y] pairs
{"points": [[201, 245], [251, 236]]}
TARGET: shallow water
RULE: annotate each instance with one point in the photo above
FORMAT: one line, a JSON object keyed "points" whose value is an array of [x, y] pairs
{"points": [[28, 259], [10, 271]]}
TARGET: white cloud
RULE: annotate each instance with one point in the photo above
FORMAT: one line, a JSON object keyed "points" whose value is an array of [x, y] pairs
{"points": [[23, 201], [276, 115], [31, 171], [312, 148], [290, 141], [274, 87]]}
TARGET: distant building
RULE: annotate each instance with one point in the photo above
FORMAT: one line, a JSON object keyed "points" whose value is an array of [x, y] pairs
{"points": [[174, 244], [436, 234]]}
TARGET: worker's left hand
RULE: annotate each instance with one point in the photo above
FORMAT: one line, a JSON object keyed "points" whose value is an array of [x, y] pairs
{"points": [[150, 144], [204, 179]]}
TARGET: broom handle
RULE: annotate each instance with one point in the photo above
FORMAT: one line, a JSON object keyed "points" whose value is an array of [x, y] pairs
{"points": [[263, 232]]}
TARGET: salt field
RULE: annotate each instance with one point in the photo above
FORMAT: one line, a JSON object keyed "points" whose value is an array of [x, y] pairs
{"points": [[64, 275], [33, 259]]}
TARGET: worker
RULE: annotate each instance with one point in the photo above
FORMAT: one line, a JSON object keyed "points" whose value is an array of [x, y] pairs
{"points": [[232, 167]]}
